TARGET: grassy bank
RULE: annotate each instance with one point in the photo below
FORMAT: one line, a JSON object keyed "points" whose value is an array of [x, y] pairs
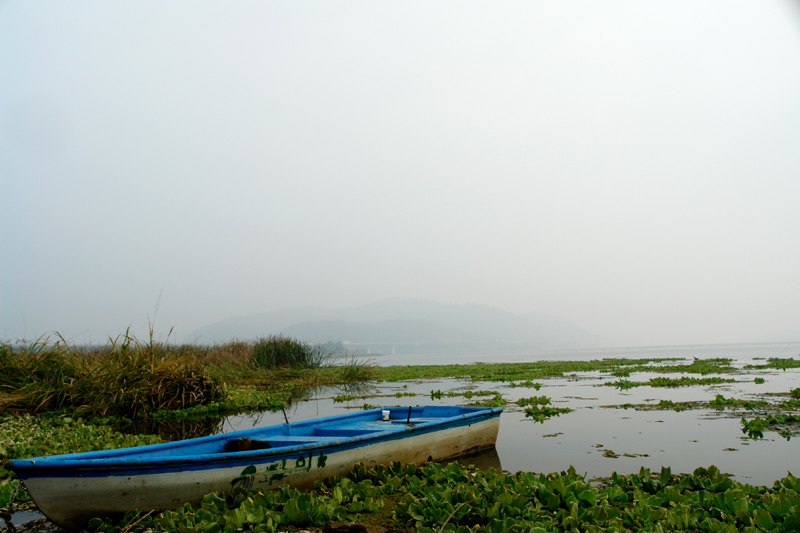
{"points": [[133, 379]]}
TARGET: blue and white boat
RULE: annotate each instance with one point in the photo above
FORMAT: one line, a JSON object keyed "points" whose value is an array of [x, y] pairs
{"points": [[73, 488]]}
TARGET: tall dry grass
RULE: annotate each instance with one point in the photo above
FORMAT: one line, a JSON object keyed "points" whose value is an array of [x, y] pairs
{"points": [[123, 378], [130, 378]]}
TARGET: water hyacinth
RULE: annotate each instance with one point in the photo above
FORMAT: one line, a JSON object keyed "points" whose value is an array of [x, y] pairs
{"points": [[432, 498]]}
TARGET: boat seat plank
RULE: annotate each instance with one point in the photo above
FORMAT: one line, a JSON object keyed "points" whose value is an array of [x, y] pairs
{"points": [[417, 420], [272, 441]]}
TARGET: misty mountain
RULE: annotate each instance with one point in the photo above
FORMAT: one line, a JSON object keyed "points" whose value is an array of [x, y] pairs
{"points": [[408, 325]]}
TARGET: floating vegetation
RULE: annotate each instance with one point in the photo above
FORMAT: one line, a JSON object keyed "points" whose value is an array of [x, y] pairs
{"points": [[540, 409], [755, 428], [31, 436], [528, 383], [553, 434], [341, 398], [433, 498], [512, 372], [720, 402], [468, 394], [624, 384], [495, 401], [669, 404], [534, 400], [621, 372], [540, 414], [758, 381], [684, 381], [778, 363]]}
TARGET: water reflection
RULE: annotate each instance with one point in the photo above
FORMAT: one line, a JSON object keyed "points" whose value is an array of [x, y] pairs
{"points": [[483, 460], [170, 430]]}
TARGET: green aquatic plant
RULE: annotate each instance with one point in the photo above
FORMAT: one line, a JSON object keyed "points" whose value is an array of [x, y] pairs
{"points": [[685, 381], [721, 401], [495, 401], [778, 363], [758, 381], [540, 409], [624, 384], [754, 428], [343, 398], [621, 372], [528, 383], [435, 498], [512, 372], [540, 414], [31, 436], [470, 393], [534, 400], [669, 404]]}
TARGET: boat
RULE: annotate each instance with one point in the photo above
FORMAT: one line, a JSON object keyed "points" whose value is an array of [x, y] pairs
{"points": [[71, 489]]}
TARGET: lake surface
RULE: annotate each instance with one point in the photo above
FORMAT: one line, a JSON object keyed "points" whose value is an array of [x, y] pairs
{"points": [[594, 438]]}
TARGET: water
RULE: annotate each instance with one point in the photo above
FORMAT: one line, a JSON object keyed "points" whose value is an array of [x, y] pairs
{"points": [[597, 439], [740, 352]]}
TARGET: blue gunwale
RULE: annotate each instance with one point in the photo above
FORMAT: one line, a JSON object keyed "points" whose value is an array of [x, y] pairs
{"points": [[208, 455]]}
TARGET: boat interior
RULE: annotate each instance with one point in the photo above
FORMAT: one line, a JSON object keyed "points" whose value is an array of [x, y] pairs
{"points": [[324, 434]]}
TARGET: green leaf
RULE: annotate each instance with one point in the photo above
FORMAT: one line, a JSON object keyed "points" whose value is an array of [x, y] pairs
{"points": [[763, 519], [589, 496]]}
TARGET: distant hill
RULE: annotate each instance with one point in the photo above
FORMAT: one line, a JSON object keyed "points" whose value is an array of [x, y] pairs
{"points": [[405, 325]]}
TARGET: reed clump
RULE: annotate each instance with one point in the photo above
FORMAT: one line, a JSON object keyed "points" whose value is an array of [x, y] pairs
{"points": [[136, 380], [277, 351], [124, 378]]}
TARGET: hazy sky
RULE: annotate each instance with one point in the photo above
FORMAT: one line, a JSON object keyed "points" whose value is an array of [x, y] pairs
{"points": [[631, 166]]}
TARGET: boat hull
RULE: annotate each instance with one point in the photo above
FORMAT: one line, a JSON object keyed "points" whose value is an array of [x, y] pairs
{"points": [[71, 498]]}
